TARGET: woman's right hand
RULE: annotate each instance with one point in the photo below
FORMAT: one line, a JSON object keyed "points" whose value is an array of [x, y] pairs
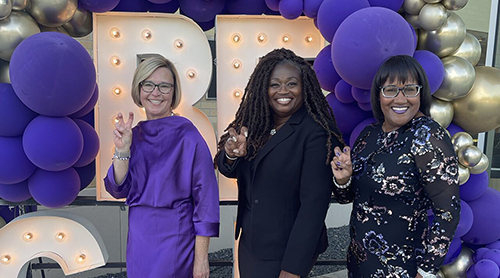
{"points": [[341, 165], [236, 144], [122, 135]]}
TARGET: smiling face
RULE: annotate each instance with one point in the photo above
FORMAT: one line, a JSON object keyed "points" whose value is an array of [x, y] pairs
{"points": [[400, 110], [285, 92], [156, 104]]}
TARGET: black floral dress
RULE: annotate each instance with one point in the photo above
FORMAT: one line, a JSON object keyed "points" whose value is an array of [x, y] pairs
{"points": [[397, 178]]}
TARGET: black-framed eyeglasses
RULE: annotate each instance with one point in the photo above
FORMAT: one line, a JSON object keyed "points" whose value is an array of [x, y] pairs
{"points": [[392, 91], [149, 87]]}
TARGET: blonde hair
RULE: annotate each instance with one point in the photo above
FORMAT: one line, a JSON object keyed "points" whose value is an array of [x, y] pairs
{"points": [[145, 69]]}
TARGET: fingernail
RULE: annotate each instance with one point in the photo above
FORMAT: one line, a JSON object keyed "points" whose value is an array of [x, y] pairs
{"points": [[234, 139], [338, 163], [236, 151], [346, 149], [337, 153], [246, 133]]}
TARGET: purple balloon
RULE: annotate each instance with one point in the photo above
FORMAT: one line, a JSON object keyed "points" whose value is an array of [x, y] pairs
{"points": [[291, 9], [479, 254], [273, 5], [394, 5], [90, 144], [311, 7], [475, 186], [357, 130], [415, 38], [53, 144], [343, 92], [366, 106], [99, 6], [14, 115], [202, 10], [246, 6], [453, 251], [470, 272], [14, 164], [54, 189], [86, 174], [268, 11], [348, 116], [17, 192], [494, 245], [89, 118], [433, 67], [494, 255], [486, 269], [206, 25], [159, 1], [132, 6], [486, 226], [365, 40], [52, 74], [361, 95], [466, 219], [453, 128], [89, 106], [332, 13], [170, 7], [323, 65]]}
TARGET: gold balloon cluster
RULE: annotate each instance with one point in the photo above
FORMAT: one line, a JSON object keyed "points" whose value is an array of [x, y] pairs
{"points": [[458, 268], [471, 159]]}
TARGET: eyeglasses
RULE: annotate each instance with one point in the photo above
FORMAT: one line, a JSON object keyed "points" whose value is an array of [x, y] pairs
{"points": [[409, 91], [149, 87]]}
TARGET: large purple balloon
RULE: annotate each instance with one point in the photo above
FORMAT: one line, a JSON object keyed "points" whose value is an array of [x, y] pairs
{"points": [[54, 189], [89, 106], [361, 95], [86, 174], [453, 128], [89, 118], [291, 9], [479, 254], [273, 5], [52, 74], [474, 187], [170, 7], [53, 144], [348, 116], [494, 255], [14, 115], [17, 192], [90, 143], [357, 130], [159, 1], [365, 106], [343, 92], [99, 6], [466, 219], [14, 164], [205, 26], [394, 5], [486, 226], [202, 10], [433, 67], [494, 245], [323, 65], [486, 269], [365, 39], [453, 251], [132, 6], [331, 13], [311, 7], [246, 6]]}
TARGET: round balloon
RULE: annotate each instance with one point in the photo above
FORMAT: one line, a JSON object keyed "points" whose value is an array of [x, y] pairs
{"points": [[441, 112], [202, 10], [348, 116], [19, 5], [486, 269], [357, 130], [80, 24], [17, 192], [470, 49], [493, 255], [54, 189], [482, 166], [132, 6], [461, 139], [453, 250], [413, 20], [432, 16], [463, 174], [90, 144], [332, 13], [58, 29], [453, 129], [170, 7], [458, 268], [433, 67], [478, 111], [159, 1], [53, 144], [458, 79], [469, 156], [360, 95], [454, 5], [206, 25], [486, 226], [323, 66], [99, 6], [52, 74], [5, 9], [86, 174], [445, 40], [494, 245], [474, 187], [311, 7], [14, 115], [479, 254], [343, 92], [365, 106], [52, 13], [13, 30], [89, 106], [413, 6], [4, 71], [291, 9], [365, 40], [14, 164], [273, 5], [394, 5], [466, 219], [246, 6]]}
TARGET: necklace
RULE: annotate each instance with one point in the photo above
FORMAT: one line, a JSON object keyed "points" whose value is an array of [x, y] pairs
{"points": [[274, 130]]}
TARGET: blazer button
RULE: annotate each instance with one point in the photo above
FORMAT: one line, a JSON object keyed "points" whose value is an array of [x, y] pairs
{"points": [[256, 201]]}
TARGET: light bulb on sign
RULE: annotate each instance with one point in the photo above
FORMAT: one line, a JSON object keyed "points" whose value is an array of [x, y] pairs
{"points": [[115, 61], [6, 259], [81, 258], [309, 39], [286, 38], [178, 44], [237, 93], [236, 38], [262, 38], [60, 237], [237, 64], [146, 35], [116, 90], [115, 33], [28, 236], [191, 74]]}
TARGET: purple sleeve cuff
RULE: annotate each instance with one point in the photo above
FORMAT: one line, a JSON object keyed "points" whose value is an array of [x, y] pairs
{"points": [[116, 190], [206, 229]]}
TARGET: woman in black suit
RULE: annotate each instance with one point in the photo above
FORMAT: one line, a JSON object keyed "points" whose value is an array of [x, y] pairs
{"points": [[279, 147]]}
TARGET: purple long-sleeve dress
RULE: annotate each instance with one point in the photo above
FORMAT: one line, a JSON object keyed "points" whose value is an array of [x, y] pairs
{"points": [[173, 196]]}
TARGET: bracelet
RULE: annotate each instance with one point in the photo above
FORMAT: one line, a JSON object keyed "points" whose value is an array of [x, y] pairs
{"points": [[123, 158], [425, 274], [230, 158], [343, 186]]}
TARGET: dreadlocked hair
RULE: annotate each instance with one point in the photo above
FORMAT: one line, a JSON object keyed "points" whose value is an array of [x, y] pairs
{"points": [[256, 114]]}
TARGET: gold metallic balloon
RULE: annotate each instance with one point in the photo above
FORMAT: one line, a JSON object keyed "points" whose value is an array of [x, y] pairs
{"points": [[432, 1], [459, 77], [5, 8], [479, 111], [440, 274], [59, 29], [463, 174], [19, 5], [482, 166], [81, 23], [52, 13], [469, 50], [13, 30], [461, 139], [469, 156], [432, 16], [444, 40], [458, 268], [413, 6], [4, 72], [454, 5], [413, 20], [442, 112]]}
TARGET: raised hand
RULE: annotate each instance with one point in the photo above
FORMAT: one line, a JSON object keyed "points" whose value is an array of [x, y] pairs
{"points": [[341, 165], [122, 135], [236, 144]]}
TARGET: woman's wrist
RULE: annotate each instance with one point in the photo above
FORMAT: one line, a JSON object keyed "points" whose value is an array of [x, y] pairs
{"points": [[425, 274], [342, 185], [229, 157], [123, 154]]}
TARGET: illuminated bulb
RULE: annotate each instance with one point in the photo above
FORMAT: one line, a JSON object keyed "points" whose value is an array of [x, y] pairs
{"points": [[115, 120], [116, 90], [262, 38], [28, 236], [309, 39], [236, 38], [115, 33], [237, 64], [81, 258], [147, 35], [237, 93], [143, 110], [178, 44], [115, 61], [6, 259], [60, 237], [286, 38], [191, 74]]}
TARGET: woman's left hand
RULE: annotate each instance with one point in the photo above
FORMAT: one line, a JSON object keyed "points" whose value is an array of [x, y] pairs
{"points": [[418, 276], [285, 274], [200, 268]]}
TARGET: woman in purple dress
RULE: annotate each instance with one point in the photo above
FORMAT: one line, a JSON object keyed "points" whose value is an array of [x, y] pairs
{"points": [[164, 169]]}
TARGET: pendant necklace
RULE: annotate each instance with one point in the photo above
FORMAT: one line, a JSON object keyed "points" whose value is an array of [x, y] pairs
{"points": [[274, 130]]}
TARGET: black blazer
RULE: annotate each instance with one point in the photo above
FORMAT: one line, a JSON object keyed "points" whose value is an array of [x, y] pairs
{"points": [[291, 187]]}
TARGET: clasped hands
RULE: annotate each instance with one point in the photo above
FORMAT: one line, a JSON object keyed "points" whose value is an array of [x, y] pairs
{"points": [[236, 144]]}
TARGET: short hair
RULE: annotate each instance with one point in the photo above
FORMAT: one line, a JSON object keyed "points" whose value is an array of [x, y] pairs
{"points": [[145, 69], [400, 68]]}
